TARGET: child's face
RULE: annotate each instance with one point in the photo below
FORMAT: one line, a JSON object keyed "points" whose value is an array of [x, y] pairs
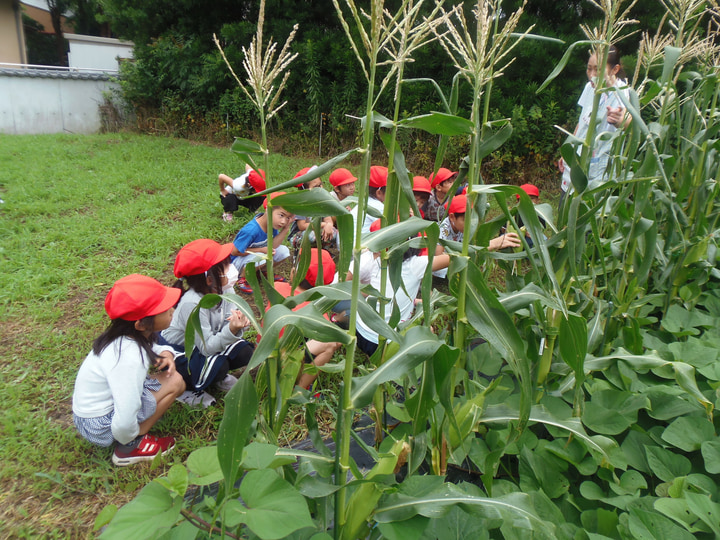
{"points": [[443, 187], [345, 191], [314, 183], [281, 218], [163, 320], [457, 222], [535, 200], [421, 198]]}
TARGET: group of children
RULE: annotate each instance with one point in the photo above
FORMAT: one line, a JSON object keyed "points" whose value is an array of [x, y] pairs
{"points": [[139, 366]]}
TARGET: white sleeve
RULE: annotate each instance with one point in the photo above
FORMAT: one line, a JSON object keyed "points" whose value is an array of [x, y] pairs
{"points": [[126, 378]]}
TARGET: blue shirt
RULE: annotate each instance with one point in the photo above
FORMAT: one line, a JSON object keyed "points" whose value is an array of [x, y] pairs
{"points": [[251, 236]]}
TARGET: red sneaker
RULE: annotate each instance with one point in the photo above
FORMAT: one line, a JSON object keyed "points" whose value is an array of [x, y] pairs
{"points": [[244, 286], [146, 450]]}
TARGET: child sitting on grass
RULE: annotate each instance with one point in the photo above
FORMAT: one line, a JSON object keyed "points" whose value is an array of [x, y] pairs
{"points": [[115, 399], [206, 268], [343, 184], [251, 241], [422, 191], [243, 186], [327, 227]]}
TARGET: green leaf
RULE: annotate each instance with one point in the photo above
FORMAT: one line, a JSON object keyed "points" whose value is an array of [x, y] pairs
{"points": [[489, 144], [154, 509], [275, 509], [689, 432], [395, 234], [417, 345], [539, 470], [264, 456], [176, 480], [573, 343], [311, 203], [438, 123], [711, 455], [104, 517], [246, 146], [561, 65], [204, 466], [666, 464], [241, 406], [649, 525], [704, 508]]}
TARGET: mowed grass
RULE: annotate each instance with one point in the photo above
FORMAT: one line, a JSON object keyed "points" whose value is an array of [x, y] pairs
{"points": [[80, 212]]}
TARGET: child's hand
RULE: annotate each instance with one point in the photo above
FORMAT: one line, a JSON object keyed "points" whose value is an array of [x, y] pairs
{"points": [[166, 360], [237, 321], [503, 241], [615, 115]]}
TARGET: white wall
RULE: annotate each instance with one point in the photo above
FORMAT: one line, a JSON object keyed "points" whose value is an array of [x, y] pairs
{"points": [[38, 102], [90, 52]]}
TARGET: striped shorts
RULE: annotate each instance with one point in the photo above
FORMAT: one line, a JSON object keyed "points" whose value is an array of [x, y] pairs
{"points": [[98, 430]]}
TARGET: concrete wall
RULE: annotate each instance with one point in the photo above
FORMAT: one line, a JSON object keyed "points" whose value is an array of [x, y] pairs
{"points": [[43, 101], [90, 52]]}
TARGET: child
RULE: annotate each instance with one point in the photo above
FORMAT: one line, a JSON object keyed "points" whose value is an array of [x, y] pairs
{"points": [[343, 183], [327, 227], [242, 186], [534, 194], [115, 399], [317, 352], [206, 268], [441, 182], [611, 116], [422, 191], [378, 182], [251, 240]]}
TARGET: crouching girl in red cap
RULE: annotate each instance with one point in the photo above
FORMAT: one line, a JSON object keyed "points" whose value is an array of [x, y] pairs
{"points": [[206, 268], [115, 399]]}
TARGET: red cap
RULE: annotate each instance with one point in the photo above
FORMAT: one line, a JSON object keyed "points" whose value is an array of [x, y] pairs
{"points": [[439, 177], [375, 226], [422, 184], [378, 176], [272, 196], [458, 204], [340, 177], [135, 297], [257, 180], [198, 256], [328, 267], [531, 190]]}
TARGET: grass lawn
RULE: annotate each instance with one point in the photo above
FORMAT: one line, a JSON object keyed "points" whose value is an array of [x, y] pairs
{"points": [[80, 212]]}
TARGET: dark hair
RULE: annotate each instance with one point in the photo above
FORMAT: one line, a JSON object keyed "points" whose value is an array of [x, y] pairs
{"points": [[410, 252], [613, 59], [373, 191], [121, 328], [199, 282]]}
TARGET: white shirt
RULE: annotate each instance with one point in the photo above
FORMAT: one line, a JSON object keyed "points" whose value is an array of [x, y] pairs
{"points": [[114, 381], [413, 270]]}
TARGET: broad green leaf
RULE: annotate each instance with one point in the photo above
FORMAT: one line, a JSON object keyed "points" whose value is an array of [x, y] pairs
{"points": [[666, 464], [540, 470], [263, 456], [489, 144], [572, 341], [246, 146], [711, 455], [153, 510], [672, 55], [704, 508], [417, 345], [438, 123], [275, 509], [650, 525], [689, 432], [204, 466], [176, 480], [503, 413], [311, 203], [397, 233], [314, 488], [677, 510], [104, 517], [241, 406]]}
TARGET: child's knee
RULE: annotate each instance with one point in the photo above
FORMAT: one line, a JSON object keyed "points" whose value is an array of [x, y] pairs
{"points": [[282, 252], [176, 384]]}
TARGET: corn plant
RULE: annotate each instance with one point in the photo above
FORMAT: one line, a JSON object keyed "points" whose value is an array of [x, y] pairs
{"points": [[579, 398]]}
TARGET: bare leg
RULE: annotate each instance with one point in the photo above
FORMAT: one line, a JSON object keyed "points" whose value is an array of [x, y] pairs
{"points": [[172, 386], [323, 353]]}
